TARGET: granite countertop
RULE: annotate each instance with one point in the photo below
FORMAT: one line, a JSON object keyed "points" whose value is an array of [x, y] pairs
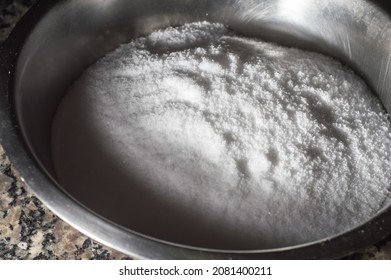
{"points": [[28, 230]]}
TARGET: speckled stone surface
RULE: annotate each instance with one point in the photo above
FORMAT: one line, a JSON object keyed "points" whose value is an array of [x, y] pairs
{"points": [[28, 230]]}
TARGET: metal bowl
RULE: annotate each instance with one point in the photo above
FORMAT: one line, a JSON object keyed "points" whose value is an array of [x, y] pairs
{"points": [[57, 40]]}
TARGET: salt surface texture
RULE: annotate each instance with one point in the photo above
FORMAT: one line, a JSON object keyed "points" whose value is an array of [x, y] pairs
{"points": [[197, 135]]}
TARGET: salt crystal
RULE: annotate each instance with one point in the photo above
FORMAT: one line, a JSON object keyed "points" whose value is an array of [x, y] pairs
{"points": [[280, 145]]}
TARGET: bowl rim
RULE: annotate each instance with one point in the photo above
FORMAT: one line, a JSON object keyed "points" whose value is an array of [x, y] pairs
{"points": [[115, 236]]}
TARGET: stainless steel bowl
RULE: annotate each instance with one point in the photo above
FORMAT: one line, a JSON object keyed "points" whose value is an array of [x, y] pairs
{"points": [[57, 40]]}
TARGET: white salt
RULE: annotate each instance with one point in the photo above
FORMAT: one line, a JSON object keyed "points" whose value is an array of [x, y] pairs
{"points": [[275, 145]]}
